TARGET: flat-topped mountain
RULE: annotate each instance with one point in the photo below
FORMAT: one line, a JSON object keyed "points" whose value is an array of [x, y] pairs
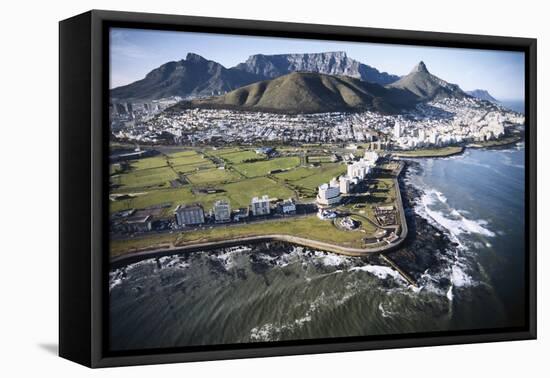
{"points": [[427, 86], [332, 63], [482, 94], [193, 76], [307, 92]]}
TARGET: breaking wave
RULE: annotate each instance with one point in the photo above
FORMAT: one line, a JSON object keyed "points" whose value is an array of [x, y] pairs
{"points": [[451, 220]]}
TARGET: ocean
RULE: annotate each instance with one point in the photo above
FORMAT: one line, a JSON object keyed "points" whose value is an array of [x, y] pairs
{"points": [[471, 207], [515, 105]]}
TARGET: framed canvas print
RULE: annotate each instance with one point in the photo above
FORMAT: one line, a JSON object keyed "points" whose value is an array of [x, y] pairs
{"points": [[233, 188]]}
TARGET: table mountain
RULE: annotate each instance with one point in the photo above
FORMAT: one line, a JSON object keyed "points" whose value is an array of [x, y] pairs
{"points": [[332, 63]]}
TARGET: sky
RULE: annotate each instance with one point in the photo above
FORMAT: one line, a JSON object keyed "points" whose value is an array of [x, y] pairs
{"points": [[136, 52]]}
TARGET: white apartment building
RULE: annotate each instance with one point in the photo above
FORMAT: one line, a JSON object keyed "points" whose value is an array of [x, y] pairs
{"points": [[328, 195], [345, 184], [260, 206], [397, 130], [222, 211]]}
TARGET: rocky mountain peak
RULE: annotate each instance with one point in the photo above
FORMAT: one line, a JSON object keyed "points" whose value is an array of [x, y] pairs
{"points": [[420, 67], [192, 57]]}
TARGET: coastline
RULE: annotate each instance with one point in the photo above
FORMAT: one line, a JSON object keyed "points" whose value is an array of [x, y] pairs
{"points": [[305, 242], [390, 248]]}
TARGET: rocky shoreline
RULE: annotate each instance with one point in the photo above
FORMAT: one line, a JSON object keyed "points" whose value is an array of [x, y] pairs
{"points": [[426, 247]]}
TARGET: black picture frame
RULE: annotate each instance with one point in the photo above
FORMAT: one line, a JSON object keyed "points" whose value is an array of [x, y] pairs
{"points": [[83, 157]]}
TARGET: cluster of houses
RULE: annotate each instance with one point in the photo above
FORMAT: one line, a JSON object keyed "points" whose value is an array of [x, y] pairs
{"points": [[194, 214], [330, 194]]}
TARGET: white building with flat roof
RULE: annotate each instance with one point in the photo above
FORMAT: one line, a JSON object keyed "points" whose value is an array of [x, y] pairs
{"points": [[345, 184], [359, 169], [397, 130], [222, 211], [328, 195], [260, 206], [371, 157]]}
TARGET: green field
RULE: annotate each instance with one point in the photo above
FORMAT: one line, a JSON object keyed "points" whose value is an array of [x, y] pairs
{"points": [[297, 174], [211, 176], [319, 159], [321, 175], [263, 168], [145, 179], [152, 162], [430, 152], [149, 180], [497, 143], [309, 227], [190, 168], [147, 184], [155, 197], [237, 157], [241, 192]]}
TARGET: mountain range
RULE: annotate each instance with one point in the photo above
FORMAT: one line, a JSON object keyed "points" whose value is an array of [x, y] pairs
{"points": [[192, 76], [289, 83], [196, 76], [312, 92]]}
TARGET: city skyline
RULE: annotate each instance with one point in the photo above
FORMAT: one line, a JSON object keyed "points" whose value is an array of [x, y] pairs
{"points": [[135, 52]]}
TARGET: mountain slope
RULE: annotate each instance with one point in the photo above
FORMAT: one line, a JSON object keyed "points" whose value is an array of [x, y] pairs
{"points": [[306, 92], [482, 94], [427, 86], [193, 76], [332, 63]]}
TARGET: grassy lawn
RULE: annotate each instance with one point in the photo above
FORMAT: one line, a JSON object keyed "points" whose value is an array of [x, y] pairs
{"points": [[496, 143], [307, 227], [321, 175], [191, 157], [297, 174], [237, 157], [241, 192], [210, 176], [430, 152], [145, 179], [148, 163], [263, 168], [319, 159], [122, 247], [155, 197], [224, 151], [187, 168]]}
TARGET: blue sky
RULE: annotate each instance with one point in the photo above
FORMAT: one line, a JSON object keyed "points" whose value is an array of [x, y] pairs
{"points": [[136, 52]]}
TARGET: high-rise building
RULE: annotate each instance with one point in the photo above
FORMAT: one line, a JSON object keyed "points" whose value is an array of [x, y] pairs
{"points": [[397, 130], [328, 195], [222, 211], [433, 138], [189, 215], [345, 184], [371, 157], [260, 206], [422, 134]]}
